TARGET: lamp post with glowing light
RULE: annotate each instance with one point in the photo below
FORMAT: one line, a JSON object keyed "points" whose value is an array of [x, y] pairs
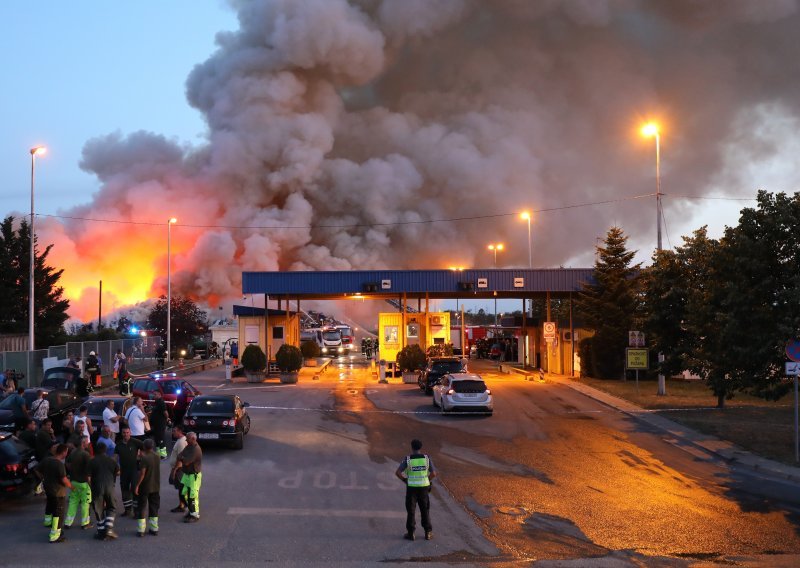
{"points": [[171, 222], [494, 247], [35, 151], [651, 130]]}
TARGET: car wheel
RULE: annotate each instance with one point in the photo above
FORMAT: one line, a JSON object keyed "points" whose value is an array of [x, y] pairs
{"points": [[238, 443], [246, 424]]}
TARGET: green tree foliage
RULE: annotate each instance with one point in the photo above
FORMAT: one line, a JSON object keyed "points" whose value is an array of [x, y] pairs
{"points": [[610, 305], [51, 307], [188, 320]]}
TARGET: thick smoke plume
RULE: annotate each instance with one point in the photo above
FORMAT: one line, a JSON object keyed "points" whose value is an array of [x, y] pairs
{"points": [[346, 123]]}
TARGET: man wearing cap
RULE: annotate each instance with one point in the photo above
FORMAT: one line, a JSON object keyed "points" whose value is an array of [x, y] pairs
{"points": [[416, 471]]}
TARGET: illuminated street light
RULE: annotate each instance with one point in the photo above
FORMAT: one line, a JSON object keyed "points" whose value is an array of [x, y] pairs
{"points": [[651, 130], [171, 222], [35, 151], [526, 216], [495, 248]]}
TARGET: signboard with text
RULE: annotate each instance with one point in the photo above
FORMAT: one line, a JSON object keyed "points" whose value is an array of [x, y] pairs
{"points": [[637, 359], [549, 331]]}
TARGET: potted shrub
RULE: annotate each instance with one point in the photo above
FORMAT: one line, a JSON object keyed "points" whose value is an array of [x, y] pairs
{"points": [[411, 360], [310, 351], [289, 359], [254, 361]]}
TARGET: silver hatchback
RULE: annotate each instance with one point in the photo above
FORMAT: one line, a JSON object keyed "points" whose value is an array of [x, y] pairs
{"points": [[463, 392]]}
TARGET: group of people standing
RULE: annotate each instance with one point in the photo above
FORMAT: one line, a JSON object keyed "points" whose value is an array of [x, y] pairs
{"points": [[79, 471]]}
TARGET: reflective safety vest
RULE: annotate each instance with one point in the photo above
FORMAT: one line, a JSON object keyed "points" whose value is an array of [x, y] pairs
{"points": [[417, 471]]}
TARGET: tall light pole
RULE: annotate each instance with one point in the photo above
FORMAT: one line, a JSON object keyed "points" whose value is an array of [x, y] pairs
{"points": [[171, 222], [494, 247], [35, 151], [651, 130], [526, 216]]}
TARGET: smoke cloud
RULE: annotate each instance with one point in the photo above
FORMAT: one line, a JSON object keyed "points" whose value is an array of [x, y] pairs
{"points": [[348, 123]]}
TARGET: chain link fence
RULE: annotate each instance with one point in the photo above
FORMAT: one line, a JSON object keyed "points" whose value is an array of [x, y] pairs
{"points": [[29, 366]]}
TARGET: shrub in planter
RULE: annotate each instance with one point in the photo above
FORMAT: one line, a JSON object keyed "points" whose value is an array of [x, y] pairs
{"points": [[289, 358], [411, 358], [440, 350], [253, 359], [310, 349]]}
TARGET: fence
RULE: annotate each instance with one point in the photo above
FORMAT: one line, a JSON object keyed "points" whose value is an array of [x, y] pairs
{"points": [[140, 352]]}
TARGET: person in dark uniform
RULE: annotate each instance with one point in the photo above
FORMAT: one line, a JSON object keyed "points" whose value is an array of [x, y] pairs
{"points": [[147, 490], [127, 451], [161, 356], [189, 463], [416, 471], [92, 369], [103, 472], [158, 423], [56, 483]]}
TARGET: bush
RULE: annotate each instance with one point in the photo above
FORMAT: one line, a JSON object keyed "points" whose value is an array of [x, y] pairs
{"points": [[253, 359], [440, 350], [289, 358], [411, 358], [310, 349]]}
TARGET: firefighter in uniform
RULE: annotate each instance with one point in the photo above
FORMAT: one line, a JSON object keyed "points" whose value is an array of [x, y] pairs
{"points": [[190, 465], [416, 471], [104, 471]]}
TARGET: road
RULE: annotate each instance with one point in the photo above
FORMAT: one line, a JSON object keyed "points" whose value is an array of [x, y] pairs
{"points": [[553, 478]]}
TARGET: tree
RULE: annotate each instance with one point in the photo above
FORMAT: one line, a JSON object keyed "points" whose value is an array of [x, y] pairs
{"points": [[188, 320], [51, 308], [610, 305]]}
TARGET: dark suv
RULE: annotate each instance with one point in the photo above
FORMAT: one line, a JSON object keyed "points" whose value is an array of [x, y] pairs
{"points": [[436, 368], [177, 392]]}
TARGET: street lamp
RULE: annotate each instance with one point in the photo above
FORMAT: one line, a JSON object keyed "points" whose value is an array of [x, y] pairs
{"points": [[526, 216], [651, 130], [171, 222], [35, 151], [495, 248]]}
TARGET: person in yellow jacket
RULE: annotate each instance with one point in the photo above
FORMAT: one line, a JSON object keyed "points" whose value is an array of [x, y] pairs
{"points": [[416, 471]]}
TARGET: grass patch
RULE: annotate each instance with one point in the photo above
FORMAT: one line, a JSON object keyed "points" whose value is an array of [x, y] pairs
{"points": [[754, 424]]}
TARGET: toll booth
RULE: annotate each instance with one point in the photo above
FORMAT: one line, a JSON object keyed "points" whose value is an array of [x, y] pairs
{"points": [[268, 329], [398, 329]]}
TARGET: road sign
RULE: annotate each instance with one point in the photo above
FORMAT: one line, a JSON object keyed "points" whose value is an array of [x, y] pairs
{"points": [[792, 369], [635, 339], [637, 359], [793, 350], [549, 329]]}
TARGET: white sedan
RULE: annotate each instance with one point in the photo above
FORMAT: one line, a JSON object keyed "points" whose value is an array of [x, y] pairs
{"points": [[463, 392]]}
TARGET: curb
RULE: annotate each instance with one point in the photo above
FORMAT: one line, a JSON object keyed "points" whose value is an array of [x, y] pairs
{"points": [[685, 434]]}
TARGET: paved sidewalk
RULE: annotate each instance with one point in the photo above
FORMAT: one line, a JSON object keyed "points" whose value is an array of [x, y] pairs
{"points": [[709, 444]]}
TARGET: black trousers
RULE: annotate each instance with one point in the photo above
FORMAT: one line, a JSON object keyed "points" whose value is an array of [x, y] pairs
{"points": [[149, 501], [127, 481], [55, 506], [103, 505], [157, 432], [418, 496]]}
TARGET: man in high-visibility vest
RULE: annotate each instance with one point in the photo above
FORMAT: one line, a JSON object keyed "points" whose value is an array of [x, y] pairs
{"points": [[416, 471]]}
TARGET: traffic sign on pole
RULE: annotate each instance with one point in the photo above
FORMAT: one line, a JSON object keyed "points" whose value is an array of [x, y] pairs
{"points": [[792, 368], [793, 350]]}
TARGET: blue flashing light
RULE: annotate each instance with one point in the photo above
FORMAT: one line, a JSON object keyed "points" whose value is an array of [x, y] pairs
{"points": [[178, 391]]}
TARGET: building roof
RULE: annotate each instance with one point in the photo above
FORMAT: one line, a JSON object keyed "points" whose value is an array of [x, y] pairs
{"points": [[254, 311], [471, 283]]}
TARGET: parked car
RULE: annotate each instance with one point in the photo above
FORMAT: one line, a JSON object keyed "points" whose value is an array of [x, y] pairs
{"points": [[218, 417], [177, 392], [60, 377], [435, 369], [17, 462], [61, 401], [463, 392]]}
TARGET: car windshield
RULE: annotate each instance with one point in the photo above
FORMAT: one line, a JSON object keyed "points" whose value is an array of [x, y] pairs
{"points": [[332, 335], [447, 367], [212, 406], [170, 387], [469, 386]]}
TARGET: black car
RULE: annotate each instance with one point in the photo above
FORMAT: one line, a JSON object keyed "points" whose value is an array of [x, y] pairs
{"points": [[436, 368], [17, 462], [218, 417], [61, 401]]}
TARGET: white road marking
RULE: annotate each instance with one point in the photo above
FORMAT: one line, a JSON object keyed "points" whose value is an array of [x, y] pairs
{"points": [[284, 512]]}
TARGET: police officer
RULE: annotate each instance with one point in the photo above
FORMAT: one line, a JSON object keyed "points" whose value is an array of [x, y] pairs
{"points": [[416, 471]]}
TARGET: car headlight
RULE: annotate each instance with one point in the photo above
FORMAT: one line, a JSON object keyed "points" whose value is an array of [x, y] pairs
{"points": [[341, 350], [324, 349]]}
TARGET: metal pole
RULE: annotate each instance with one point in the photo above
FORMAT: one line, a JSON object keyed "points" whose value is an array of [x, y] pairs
{"points": [[658, 189], [169, 290], [31, 342], [796, 428], [100, 306], [530, 246]]}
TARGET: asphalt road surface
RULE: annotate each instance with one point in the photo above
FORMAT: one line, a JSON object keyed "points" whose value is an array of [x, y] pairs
{"points": [[553, 478]]}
